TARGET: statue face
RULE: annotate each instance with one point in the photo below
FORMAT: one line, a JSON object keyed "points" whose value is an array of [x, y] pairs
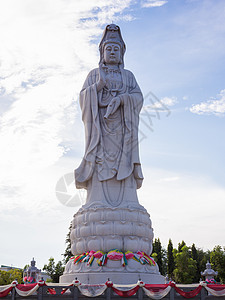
{"points": [[112, 53]]}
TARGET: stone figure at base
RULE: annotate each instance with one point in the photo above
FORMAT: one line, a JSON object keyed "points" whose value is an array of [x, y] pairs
{"points": [[111, 234]]}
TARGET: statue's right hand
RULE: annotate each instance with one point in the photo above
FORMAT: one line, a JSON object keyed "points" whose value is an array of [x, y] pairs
{"points": [[102, 79]]}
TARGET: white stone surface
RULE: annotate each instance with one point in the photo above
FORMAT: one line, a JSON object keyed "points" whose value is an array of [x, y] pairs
{"points": [[108, 228], [115, 277], [114, 270]]}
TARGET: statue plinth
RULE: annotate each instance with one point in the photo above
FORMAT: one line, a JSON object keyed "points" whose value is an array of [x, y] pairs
{"points": [[114, 271], [107, 228], [111, 235]]}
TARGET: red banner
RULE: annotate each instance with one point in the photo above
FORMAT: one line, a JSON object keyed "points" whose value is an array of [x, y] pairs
{"points": [[52, 291], [126, 293], [187, 295], [26, 287], [5, 292], [216, 287]]}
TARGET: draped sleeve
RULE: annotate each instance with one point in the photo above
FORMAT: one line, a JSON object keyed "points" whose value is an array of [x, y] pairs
{"points": [[89, 107], [132, 103]]}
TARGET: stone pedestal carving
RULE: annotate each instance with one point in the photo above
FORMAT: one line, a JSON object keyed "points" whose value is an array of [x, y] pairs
{"points": [[107, 228], [112, 218], [111, 228]]}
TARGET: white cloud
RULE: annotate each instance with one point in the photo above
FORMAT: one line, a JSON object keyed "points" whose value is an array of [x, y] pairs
{"points": [[46, 52], [162, 104], [173, 178], [153, 3], [213, 106], [168, 101]]}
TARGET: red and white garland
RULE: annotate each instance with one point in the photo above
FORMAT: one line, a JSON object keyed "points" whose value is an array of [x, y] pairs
{"points": [[6, 289], [153, 291]]}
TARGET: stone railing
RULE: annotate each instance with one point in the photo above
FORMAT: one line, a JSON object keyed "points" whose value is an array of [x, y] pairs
{"points": [[75, 290]]}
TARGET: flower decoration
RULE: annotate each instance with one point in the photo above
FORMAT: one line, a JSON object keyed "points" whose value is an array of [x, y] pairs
{"points": [[210, 281], [29, 279], [113, 254]]}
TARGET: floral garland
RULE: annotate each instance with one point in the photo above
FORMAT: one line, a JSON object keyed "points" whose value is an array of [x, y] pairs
{"points": [[210, 281], [29, 279], [114, 254]]}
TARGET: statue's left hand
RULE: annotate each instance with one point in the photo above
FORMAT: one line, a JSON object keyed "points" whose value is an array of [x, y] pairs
{"points": [[112, 107]]}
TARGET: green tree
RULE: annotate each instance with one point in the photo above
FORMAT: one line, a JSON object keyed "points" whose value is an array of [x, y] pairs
{"points": [[181, 245], [195, 257], [157, 248], [185, 266], [201, 257], [164, 261], [26, 267], [154, 256], [194, 253], [6, 277], [159, 255], [170, 259], [68, 254], [217, 258], [54, 270]]}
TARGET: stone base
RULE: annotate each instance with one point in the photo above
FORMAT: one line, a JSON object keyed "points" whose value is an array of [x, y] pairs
{"points": [[107, 228], [118, 274], [115, 277]]}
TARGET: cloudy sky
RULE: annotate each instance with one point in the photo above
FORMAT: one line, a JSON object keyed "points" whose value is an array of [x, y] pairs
{"points": [[176, 49]]}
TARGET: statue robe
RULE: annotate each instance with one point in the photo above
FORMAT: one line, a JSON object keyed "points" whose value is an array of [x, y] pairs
{"points": [[124, 136]]}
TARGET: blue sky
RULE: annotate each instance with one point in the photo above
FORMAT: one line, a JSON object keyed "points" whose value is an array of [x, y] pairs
{"points": [[176, 49]]}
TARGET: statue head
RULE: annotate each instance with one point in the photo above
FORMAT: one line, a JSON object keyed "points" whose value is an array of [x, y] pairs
{"points": [[112, 53], [112, 38]]}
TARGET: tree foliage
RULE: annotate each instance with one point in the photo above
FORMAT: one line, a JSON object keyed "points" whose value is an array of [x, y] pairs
{"points": [[157, 249], [186, 267], [54, 270], [185, 264], [159, 255], [6, 277], [68, 254], [181, 245], [195, 257], [217, 258], [170, 259]]}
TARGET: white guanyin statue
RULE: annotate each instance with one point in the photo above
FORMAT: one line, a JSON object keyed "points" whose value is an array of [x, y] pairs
{"points": [[111, 232], [111, 101]]}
